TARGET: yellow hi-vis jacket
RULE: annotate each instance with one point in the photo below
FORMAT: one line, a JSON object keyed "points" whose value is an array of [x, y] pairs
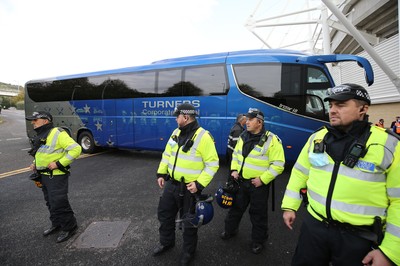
{"points": [[59, 147], [371, 188], [266, 161], [199, 163]]}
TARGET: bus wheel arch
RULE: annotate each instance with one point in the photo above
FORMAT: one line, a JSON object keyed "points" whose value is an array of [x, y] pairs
{"points": [[86, 140]]}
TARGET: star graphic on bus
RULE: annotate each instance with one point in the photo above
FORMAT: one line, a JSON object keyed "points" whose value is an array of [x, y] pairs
{"points": [[99, 126], [87, 109]]}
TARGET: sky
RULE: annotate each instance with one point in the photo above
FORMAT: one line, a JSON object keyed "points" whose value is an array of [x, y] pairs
{"points": [[47, 38]]}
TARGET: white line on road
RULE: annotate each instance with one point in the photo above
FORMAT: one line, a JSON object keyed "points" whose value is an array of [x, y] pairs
{"points": [[14, 139]]}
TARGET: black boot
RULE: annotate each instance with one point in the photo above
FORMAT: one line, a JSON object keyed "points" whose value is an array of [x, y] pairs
{"points": [[186, 258], [160, 249]]}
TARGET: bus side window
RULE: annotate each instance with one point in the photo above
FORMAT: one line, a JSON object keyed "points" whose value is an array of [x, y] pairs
{"points": [[209, 80]]}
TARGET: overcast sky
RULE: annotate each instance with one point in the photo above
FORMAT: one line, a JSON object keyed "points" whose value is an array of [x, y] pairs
{"points": [[46, 38]]}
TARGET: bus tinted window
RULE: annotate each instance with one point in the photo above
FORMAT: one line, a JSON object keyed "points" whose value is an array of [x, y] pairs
{"points": [[166, 80], [87, 89], [45, 91], [210, 80], [315, 75], [131, 85], [261, 80]]}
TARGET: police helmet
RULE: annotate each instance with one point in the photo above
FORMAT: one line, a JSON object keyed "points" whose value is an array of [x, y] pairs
{"points": [[203, 212], [224, 199]]}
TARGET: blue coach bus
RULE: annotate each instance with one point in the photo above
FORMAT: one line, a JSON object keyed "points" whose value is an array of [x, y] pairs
{"points": [[132, 107]]}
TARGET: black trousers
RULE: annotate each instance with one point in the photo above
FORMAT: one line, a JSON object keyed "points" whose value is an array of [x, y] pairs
{"points": [[168, 208], [321, 245], [55, 191], [257, 198]]}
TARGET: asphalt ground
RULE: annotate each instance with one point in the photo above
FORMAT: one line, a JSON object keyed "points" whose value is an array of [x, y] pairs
{"points": [[119, 187]]}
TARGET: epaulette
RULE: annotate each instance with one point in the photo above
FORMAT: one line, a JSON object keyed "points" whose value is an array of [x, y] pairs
{"points": [[390, 132], [319, 129], [210, 135]]}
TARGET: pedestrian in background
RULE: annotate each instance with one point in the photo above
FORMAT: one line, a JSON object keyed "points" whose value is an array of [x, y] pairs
{"points": [[396, 126], [351, 172], [258, 159], [233, 137], [394, 121], [380, 123], [190, 160], [53, 151]]}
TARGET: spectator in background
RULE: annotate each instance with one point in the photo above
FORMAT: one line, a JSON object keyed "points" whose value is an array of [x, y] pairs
{"points": [[380, 123], [396, 125], [394, 122]]}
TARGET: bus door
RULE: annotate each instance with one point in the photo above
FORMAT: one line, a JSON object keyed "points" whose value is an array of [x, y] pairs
{"points": [[107, 115], [125, 123], [153, 122]]}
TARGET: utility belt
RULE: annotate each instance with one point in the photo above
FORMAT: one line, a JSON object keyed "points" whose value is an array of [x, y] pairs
{"points": [[46, 171], [49, 172], [372, 232], [176, 182], [242, 179]]}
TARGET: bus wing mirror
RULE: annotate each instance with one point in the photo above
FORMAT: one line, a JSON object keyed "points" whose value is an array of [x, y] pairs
{"points": [[334, 58]]}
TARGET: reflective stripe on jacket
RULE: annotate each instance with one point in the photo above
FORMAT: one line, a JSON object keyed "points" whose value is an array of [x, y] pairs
{"points": [[371, 188], [59, 147], [234, 134], [199, 163], [266, 161]]}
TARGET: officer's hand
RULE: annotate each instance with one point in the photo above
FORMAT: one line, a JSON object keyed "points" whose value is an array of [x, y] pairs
{"points": [[235, 175], [256, 182], [376, 258], [161, 182], [288, 218], [192, 187], [52, 166], [32, 167]]}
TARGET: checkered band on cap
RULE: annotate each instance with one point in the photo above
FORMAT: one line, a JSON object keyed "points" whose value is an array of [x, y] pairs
{"points": [[185, 109], [255, 113], [188, 112], [40, 115], [348, 91]]}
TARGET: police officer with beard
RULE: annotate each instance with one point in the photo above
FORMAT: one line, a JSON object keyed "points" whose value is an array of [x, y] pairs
{"points": [[188, 164], [351, 171]]}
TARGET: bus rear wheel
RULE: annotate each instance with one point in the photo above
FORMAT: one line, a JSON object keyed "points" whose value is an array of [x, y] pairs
{"points": [[87, 142]]}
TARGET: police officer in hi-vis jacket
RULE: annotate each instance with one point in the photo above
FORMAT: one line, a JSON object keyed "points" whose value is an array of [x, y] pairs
{"points": [[351, 172], [189, 161]]}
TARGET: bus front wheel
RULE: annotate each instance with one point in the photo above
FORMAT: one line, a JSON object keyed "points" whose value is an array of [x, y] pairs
{"points": [[87, 142]]}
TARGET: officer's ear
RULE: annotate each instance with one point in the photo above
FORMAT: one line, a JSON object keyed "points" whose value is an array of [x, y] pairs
{"points": [[364, 109]]}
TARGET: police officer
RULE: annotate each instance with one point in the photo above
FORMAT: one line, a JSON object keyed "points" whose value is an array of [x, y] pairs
{"points": [[233, 137], [188, 164], [53, 151], [257, 159], [351, 171]]}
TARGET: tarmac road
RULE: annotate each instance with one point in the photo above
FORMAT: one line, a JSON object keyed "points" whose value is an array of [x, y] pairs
{"points": [[119, 187]]}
